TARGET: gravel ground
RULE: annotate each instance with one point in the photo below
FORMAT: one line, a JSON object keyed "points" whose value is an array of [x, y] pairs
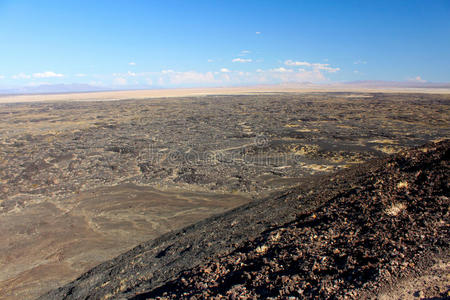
{"points": [[356, 242], [351, 235]]}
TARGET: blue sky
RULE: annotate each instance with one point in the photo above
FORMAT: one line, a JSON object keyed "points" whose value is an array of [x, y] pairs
{"points": [[130, 44]]}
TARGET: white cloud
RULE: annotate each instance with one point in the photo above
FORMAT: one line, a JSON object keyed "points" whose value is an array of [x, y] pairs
{"points": [[360, 62], [120, 81], [258, 32], [21, 76], [194, 78], [132, 63], [210, 60], [130, 74], [172, 78], [242, 60], [47, 74], [282, 70], [326, 67], [417, 79], [297, 63], [318, 66], [80, 75], [290, 75], [191, 77], [2, 77], [244, 53], [356, 71]]}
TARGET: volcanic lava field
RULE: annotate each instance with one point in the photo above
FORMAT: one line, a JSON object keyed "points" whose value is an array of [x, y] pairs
{"points": [[82, 182]]}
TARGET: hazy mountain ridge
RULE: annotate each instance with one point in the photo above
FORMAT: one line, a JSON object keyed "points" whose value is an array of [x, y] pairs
{"points": [[370, 84], [53, 89], [397, 84]]}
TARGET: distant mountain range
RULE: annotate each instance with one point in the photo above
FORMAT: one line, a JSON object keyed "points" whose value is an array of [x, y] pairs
{"points": [[53, 89], [397, 84], [371, 84]]}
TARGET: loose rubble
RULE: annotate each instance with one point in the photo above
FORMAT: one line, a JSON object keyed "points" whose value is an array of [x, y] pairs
{"points": [[348, 235], [357, 242]]}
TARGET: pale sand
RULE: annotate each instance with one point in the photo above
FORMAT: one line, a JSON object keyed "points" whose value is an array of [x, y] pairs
{"points": [[142, 94]]}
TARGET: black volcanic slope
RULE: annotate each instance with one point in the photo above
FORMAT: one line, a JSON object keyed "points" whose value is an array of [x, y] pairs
{"points": [[346, 234]]}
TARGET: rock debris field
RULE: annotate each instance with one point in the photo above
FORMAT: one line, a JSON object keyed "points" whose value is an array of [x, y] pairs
{"points": [[82, 182]]}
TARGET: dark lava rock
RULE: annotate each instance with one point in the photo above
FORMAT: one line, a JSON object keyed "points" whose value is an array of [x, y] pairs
{"points": [[344, 235]]}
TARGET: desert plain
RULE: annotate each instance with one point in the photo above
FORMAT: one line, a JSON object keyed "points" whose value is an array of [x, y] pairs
{"points": [[83, 181]]}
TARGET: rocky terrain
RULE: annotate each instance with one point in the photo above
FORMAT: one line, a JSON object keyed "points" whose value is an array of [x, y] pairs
{"points": [[352, 234], [356, 241], [229, 143], [82, 182]]}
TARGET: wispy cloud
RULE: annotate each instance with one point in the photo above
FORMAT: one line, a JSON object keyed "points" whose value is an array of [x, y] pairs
{"points": [[2, 77], [282, 70], [318, 66], [283, 75], [210, 60], [244, 53], [326, 67], [132, 63], [47, 74], [290, 72], [242, 60], [360, 62], [170, 77], [21, 76], [417, 79], [186, 78], [80, 75], [258, 32], [120, 81], [297, 63], [129, 74]]}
